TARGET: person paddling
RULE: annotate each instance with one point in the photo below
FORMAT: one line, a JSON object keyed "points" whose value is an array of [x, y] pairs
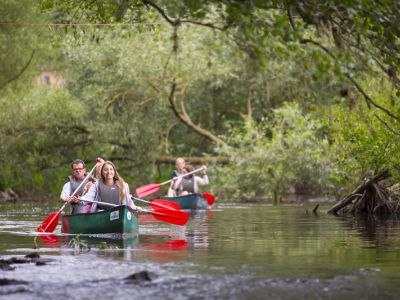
{"points": [[109, 188], [78, 173], [92, 179], [190, 184]]}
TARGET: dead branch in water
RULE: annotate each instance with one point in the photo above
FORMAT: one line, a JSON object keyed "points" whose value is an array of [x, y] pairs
{"points": [[370, 197]]}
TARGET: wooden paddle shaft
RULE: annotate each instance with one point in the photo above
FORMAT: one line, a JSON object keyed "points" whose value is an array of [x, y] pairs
{"points": [[138, 199], [112, 205], [182, 175], [99, 202], [84, 180]]}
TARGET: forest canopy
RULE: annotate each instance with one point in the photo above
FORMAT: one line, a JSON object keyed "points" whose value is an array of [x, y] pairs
{"points": [[297, 95]]}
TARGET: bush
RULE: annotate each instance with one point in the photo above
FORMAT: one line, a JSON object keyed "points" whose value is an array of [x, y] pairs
{"points": [[296, 154]]}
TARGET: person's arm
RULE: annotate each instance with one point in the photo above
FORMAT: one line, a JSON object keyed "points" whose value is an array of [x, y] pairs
{"points": [[66, 192], [128, 199], [99, 160], [91, 193], [204, 179], [176, 182], [87, 187], [198, 181]]}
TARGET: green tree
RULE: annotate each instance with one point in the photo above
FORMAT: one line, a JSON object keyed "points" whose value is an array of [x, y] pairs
{"points": [[296, 155]]}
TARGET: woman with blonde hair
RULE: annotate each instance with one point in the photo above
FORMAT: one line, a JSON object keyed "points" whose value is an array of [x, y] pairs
{"points": [[180, 166]]}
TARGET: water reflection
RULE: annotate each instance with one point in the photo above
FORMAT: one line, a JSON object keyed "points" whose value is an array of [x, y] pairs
{"points": [[199, 230], [380, 231], [229, 252], [150, 247], [156, 241], [166, 251], [49, 241]]}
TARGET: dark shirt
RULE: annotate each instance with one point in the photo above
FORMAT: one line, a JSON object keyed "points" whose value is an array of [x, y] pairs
{"points": [[174, 174]]}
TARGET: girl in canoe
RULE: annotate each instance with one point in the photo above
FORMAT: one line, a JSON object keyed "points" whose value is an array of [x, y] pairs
{"points": [[190, 184], [109, 188], [94, 177]]}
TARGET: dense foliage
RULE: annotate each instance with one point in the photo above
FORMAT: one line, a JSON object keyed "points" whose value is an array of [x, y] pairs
{"points": [[301, 96]]}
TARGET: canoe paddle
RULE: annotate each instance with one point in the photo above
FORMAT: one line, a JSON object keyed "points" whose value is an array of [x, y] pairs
{"points": [[151, 188], [51, 222], [160, 203], [210, 198], [176, 217]]}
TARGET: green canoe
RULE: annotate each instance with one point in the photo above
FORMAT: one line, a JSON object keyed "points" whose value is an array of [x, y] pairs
{"points": [[120, 219], [192, 201]]}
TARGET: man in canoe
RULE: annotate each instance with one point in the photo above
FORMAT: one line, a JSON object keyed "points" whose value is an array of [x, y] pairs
{"points": [[78, 173]]}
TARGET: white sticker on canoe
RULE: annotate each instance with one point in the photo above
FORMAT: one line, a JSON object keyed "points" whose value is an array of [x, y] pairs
{"points": [[129, 215], [114, 215]]}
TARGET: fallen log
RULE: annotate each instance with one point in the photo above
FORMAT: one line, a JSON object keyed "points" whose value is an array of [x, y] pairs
{"points": [[369, 197]]}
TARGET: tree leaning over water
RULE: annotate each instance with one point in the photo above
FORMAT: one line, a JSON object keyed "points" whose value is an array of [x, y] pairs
{"points": [[227, 78]]}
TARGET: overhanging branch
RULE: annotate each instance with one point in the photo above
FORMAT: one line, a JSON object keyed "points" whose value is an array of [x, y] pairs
{"points": [[182, 115], [20, 72], [367, 98]]}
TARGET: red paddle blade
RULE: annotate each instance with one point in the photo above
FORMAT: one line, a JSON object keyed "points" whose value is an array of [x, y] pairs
{"points": [[146, 190], [160, 203], [176, 217], [210, 198], [50, 223]]}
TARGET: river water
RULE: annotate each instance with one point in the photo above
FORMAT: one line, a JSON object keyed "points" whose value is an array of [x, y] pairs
{"points": [[228, 252]]}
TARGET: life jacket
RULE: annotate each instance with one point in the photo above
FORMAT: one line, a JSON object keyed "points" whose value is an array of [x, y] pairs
{"points": [[76, 207], [175, 173], [108, 194], [187, 184], [74, 184]]}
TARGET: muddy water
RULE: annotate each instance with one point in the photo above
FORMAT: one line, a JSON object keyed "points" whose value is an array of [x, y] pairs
{"points": [[229, 252]]}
